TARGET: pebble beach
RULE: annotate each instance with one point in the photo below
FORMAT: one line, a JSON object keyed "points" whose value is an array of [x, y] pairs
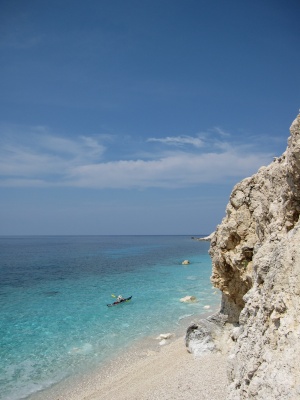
{"points": [[161, 373]]}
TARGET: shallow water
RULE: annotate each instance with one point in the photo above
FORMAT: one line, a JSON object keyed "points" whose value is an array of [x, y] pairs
{"points": [[54, 293]]}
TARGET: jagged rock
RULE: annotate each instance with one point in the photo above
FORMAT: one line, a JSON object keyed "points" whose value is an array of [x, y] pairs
{"points": [[256, 264]]}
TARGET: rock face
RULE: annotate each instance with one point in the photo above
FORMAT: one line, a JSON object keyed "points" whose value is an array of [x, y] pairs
{"points": [[256, 264]]}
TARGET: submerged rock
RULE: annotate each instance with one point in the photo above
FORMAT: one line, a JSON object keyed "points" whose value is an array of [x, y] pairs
{"points": [[188, 299]]}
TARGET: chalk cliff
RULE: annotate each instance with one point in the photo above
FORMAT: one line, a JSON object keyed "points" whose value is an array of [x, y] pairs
{"points": [[255, 254]]}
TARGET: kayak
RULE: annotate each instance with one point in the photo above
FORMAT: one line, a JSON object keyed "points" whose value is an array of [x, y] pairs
{"points": [[119, 302]]}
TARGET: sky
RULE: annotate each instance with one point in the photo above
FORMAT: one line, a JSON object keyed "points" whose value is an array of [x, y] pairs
{"points": [[136, 116]]}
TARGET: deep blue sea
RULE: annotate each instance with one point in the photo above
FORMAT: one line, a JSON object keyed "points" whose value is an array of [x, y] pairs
{"points": [[54, 291]]}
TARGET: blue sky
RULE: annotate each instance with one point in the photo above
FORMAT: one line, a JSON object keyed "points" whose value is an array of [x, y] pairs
{"points": [[139, 117]]}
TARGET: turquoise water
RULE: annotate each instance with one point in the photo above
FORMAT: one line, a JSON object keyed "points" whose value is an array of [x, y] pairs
{"points": [[54, 293]]}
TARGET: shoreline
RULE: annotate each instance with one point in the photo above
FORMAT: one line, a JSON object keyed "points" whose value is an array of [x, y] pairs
{"points": [[170, 373], [146, 370]]}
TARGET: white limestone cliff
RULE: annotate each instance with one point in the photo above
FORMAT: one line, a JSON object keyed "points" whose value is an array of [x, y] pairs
{"points": [[256, 264]]}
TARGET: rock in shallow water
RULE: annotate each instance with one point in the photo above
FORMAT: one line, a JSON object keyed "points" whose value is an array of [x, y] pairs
{"points": [[188, 299], [185, 262]]}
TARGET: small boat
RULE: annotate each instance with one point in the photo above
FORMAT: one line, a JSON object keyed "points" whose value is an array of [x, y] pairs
{"points": [[119, 302]]}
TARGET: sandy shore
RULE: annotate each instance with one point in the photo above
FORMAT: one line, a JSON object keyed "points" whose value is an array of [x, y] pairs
{"points": [[163, 373]]}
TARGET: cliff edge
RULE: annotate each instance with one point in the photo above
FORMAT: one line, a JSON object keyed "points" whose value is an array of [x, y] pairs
{"points": [[255, 254]]}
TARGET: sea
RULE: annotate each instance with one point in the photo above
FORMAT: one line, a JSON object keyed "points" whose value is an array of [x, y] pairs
{"points": [[54, 291]]}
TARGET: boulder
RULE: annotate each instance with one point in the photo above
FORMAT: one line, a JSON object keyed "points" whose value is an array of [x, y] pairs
{"points": [[205, 336]]}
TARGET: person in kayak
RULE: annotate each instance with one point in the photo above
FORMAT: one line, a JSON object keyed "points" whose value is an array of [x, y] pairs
{"points": [[120, 298]]}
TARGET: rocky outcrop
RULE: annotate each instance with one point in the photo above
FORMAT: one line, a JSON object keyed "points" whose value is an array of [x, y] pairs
{"points": [[263, 207], [206, 238], [256, 264]]}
